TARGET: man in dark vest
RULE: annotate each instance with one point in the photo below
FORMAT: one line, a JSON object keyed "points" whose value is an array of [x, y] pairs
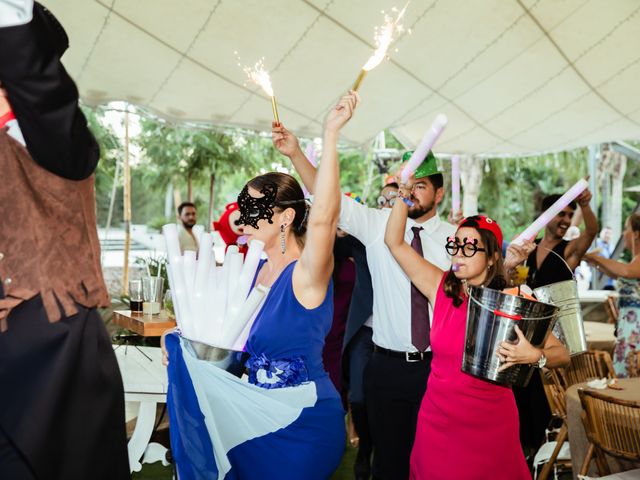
{"points": [[553, 260], [61, 400]]}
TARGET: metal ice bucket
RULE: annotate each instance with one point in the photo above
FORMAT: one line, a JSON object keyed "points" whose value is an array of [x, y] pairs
{"points": [[569, 328], [491, 319], [219, 357]]}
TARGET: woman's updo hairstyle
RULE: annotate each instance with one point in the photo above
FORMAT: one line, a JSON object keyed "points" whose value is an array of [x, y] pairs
{"points": [[289, 194]]}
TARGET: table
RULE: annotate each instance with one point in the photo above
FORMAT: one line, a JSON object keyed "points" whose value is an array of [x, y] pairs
{"points": [[145, 382], [600, 336], [593, 303], [596, 296], [145, 325], [577, 437]]}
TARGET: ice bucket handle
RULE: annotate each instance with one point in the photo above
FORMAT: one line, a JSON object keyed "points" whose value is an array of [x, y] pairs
{"points": [[505, 314], [561, 258]]}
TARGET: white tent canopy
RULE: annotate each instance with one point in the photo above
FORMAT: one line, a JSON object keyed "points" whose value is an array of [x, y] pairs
{"points": [[513, 76]]}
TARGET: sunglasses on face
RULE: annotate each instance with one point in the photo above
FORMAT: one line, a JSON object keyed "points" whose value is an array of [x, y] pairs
{"points": [[469, 247], [565, 214]]}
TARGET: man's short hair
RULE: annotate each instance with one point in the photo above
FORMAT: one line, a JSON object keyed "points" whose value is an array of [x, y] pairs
{"points": [[184, 205], [390, 185], [551, 199], [437, 180]]}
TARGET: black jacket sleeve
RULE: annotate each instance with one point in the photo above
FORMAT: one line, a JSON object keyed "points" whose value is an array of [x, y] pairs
{"points": [[342, 249], [44, 100]]}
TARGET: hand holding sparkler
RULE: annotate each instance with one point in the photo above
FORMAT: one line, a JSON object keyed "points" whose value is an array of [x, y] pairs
{"points": [[284, 141]]}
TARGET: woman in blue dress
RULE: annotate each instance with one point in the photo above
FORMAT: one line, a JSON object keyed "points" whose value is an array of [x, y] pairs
{"points": [[287, 422]]}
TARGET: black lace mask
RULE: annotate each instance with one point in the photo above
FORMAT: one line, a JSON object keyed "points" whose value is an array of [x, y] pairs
{"points": [[253, 209]]}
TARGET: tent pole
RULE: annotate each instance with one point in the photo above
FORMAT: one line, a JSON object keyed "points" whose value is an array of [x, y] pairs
{"points": [[127, 205]]}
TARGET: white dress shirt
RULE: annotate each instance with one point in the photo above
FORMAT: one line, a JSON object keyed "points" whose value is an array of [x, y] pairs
{"points": [[391, 286], [15, 12]]}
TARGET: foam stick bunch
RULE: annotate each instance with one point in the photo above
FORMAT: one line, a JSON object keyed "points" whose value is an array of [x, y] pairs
{"points": [[213, 304]]}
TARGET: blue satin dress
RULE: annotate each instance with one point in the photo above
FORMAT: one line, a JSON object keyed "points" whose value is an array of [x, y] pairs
{"points": [[287, 422]]}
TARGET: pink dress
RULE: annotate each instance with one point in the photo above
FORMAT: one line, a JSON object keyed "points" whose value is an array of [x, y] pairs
{"points": [[467, 427]]}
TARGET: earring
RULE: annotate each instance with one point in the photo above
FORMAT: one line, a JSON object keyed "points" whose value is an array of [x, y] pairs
{"points": [[282, 243]]}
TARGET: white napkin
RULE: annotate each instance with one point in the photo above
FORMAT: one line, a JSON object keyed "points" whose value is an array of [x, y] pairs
{"points": [[601, 383], [598, 383]]}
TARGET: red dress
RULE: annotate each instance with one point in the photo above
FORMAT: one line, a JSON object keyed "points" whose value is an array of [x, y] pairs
{"points": [[467, 427]]}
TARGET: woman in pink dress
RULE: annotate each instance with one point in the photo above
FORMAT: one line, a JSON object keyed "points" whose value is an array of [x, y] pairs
{"points": [[467, 427]]}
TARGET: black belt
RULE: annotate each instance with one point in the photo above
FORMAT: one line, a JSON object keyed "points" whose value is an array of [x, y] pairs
{"points": [[407, 356]]}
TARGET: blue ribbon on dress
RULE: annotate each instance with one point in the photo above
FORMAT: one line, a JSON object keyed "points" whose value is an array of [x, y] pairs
{"points": [[284, 372]]}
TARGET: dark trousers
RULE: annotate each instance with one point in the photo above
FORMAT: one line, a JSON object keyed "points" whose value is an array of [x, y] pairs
{"points": [[61, 398], [12, 464], [534, 413], [393, 393], [358, 354]]}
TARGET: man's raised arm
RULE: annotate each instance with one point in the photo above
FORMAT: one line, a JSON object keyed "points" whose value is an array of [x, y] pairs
{"points": [[41, 93]]}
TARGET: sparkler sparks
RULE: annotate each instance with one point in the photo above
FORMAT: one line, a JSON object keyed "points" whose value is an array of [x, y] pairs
{"points": [[259, 76], [384, 35]]}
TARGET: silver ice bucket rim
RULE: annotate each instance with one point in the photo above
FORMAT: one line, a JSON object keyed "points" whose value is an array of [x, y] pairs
{"points": [[509, 315]]}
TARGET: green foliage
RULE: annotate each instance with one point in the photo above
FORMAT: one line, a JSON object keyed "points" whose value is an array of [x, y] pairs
{"points": [[513, 189], [110, 153], [154, 262], [157, 223], [189, 158]]}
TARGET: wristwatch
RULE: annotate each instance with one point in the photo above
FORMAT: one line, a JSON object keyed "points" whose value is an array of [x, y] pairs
{"points": [[542, 361]]}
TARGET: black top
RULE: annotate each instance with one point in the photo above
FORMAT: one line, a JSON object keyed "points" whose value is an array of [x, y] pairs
{"points": [[361, 306], [44, 100], [552, 270]]}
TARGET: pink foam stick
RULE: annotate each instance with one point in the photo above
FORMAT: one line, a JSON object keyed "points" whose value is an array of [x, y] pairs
{"points": [[455, 184], [546, 216], [427, 143]]}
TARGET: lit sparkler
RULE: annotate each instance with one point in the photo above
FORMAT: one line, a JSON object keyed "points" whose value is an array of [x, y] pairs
{"points": [[384, 35], [259, 75]]}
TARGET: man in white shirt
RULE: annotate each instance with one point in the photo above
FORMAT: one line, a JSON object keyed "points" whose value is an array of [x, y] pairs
{"points": [[396, 376], [187, 215]]}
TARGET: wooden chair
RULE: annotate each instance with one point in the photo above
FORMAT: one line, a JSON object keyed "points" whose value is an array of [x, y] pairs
{"points": [[611, 308], [633, 363], [587, 366], [555, 392], [612, 427]]}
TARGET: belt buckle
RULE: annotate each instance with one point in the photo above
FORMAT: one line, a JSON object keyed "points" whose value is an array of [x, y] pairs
{"points": [[410, 360]]}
